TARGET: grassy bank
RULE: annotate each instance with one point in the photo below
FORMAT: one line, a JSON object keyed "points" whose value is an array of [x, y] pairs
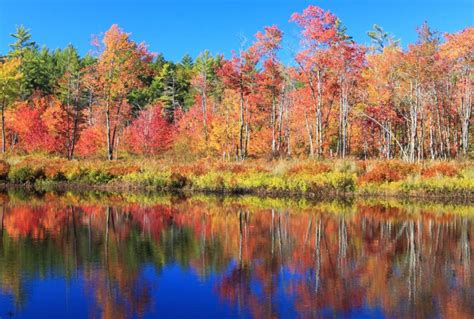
{"points": [[275, 178]]}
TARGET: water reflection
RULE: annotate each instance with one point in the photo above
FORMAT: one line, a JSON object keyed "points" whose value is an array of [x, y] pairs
{"points": [[235, 258]]}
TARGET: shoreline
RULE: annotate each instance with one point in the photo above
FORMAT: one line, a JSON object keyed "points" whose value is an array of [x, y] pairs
{"points": [[324, 179], [466, 197]]}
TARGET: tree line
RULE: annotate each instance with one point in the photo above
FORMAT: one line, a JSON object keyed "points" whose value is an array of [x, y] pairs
{"points": [[337, 98]]}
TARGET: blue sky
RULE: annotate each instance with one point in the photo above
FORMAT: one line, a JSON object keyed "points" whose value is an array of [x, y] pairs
{"points": [[175, 28]]}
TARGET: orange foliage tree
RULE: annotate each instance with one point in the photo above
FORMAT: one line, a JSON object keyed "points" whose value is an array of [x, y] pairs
{"points": [[120, 64]]}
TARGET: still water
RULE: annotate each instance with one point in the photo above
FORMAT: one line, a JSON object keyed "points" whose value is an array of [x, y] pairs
{"points": [[129, 256]]}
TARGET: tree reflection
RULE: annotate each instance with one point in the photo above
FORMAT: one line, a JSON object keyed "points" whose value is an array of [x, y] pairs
{"points": [[408, 262]]}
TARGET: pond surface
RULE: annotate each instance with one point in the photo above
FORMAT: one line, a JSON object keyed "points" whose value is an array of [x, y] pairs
{"points": [[116, 256]]}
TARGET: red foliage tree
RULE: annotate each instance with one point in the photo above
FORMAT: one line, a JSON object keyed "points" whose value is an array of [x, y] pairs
{"points": [[28, 126], [149, 133]]}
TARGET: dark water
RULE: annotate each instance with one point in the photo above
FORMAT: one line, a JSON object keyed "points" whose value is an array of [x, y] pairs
{"points": [[90, 256]]}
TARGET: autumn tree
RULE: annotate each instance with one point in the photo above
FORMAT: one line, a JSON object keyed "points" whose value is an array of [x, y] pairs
{"points": [[30, 125], [329, 65], [202, 82], [149, 133], [383, 109], [421, 75], [271, 80], [9, 88], [319, 32], [459, 51], [349, 61], [239, 74], [120, 64]]}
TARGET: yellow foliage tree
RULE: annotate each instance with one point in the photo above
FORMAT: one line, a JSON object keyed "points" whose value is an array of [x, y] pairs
{"points": [[9, 88]]}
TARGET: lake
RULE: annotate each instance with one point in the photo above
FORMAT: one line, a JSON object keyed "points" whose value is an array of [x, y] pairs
{"points": [[97, 255]]}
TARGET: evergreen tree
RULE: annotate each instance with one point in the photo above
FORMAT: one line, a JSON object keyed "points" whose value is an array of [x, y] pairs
{"points": [[22, 42]]}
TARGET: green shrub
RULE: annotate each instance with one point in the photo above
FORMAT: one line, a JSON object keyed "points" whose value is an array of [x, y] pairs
{"points": [[439, 185], [59, 177], [155, 179], [4, 169], [468, 173], [345, 167], [177, 181], [212, 181], [345, 183], [322, 183], [97, 177], [76, 174], [25, 174]]}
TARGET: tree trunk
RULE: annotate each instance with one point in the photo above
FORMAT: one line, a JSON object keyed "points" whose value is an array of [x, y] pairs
{"points": [[343, 119], [432, 150], [280, 124], [273, 120], [466, 111], [413, 124], [4, 144], [204, 113], [310, 135], [74, 135], [242, 126], [110, 142], [319, 116]]}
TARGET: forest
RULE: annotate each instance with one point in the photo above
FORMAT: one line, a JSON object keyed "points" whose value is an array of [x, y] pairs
{"points": [[340, 117], [336, 99]]}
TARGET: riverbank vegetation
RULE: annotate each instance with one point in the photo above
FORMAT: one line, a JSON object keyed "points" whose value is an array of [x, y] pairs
{"points": [[303, 178]]}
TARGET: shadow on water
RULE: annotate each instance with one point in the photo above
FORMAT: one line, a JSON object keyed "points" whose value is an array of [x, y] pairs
{"points": [[95, 254]]}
